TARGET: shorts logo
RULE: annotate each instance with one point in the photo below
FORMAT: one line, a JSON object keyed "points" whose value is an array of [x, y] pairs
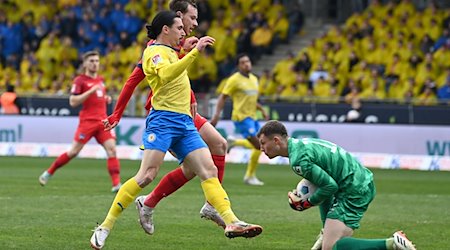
{"points": [[251, 130], [81, 136], [151, 137]]}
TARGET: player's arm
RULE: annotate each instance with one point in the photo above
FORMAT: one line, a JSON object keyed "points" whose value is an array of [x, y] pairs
{"points": [[326, 188], [169, 71], [124, 97], [219, 107], [326, 185], [263, 111], [76, 100]]}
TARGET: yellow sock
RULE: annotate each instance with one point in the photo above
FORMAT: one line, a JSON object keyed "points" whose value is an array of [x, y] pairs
{"points": [[244, 143], [127, 193], [253, 163], [218, 198]]}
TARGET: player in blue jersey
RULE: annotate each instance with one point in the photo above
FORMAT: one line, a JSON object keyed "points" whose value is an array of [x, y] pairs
{"points": [[344, 188]]}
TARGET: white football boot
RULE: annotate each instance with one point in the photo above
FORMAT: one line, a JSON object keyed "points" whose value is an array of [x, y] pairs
{"points": [[99, 237], [401, 242], [116, 188], [44, 178], [253, 181], [208, 212], [145, 215], [318, 244]]}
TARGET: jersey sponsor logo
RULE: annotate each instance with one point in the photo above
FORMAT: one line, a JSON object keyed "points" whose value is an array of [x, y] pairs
{"points": [[151, 137], [297, 169], [251, 92], [156, 59], [90, 84]]}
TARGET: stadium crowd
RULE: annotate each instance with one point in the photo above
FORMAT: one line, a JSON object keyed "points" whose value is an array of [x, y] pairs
{"points": [[389, 52], [41, 41]]}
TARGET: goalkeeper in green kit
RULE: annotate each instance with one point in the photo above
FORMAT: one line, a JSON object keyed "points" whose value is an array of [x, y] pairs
{"points": [[344, 188]]}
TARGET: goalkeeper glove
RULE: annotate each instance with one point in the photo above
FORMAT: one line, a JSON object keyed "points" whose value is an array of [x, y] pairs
{"points": [[296, 202]]}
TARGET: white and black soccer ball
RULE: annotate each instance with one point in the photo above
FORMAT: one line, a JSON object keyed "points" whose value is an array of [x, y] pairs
{"points": [[305, 189]]}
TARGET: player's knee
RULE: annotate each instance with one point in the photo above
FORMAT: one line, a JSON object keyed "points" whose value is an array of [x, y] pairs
{"points": [[73, 153], [218, 146], [111, 152]]}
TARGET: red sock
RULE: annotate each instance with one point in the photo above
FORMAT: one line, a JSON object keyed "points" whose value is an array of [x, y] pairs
{"points": [[219, 161], [168, 184], [114, 170], [59, 162]]}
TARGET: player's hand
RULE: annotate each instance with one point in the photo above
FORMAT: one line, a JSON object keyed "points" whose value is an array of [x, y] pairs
{"points": [[189, 43], [110, 122], [296, 202], [194, 109], [203, 42], [108, 99]]}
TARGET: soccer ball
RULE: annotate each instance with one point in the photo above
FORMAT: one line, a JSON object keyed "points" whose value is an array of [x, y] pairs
{"points": [[305, 189]]}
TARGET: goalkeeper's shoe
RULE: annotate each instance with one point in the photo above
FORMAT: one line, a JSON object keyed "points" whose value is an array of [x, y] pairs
{"points": [[44, 178], [242, 229], [99, 237], [318, 244], [145, 215], [401, 242], [208, 212]]}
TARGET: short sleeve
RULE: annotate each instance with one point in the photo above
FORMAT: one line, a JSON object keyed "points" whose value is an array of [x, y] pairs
{"points": [[229, 87], [153, 60], [77, 86]]}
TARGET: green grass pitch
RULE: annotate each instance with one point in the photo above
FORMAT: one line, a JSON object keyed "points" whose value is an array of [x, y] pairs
{"points": [[62, 214]]}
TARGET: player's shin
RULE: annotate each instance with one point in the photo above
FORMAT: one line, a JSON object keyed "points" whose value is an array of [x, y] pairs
{"points": [[219, 162], [127, 193], [218, 198]]}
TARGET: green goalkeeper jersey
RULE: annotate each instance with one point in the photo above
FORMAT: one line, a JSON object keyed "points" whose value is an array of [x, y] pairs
{"points": [[332, 169]]}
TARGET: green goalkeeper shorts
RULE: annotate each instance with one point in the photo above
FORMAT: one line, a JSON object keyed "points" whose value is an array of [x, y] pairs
{"points": [[349, 207]]}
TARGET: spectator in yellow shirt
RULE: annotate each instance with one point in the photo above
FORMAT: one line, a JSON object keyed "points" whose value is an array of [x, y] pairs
{"points": [[261, 40]]}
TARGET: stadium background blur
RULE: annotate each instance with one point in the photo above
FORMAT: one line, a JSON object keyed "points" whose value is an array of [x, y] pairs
{"points": [[376, 51], [40, 54]]}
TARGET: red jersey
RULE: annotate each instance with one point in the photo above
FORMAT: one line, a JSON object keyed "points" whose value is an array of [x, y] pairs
{"points": [[94, 107]]}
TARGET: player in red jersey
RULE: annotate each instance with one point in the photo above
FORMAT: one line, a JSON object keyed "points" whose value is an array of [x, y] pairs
{"points": [[88, 90], [175, 179]]}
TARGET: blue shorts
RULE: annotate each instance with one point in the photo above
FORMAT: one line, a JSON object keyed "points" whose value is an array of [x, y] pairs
{"points": [[247, 127], [166, 130]]}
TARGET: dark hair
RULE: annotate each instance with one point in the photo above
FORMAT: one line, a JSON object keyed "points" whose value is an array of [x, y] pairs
{"points": [[165, 17], [273, 128], [181, 5], [90, 53], [9, 87], [239, 56]]}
